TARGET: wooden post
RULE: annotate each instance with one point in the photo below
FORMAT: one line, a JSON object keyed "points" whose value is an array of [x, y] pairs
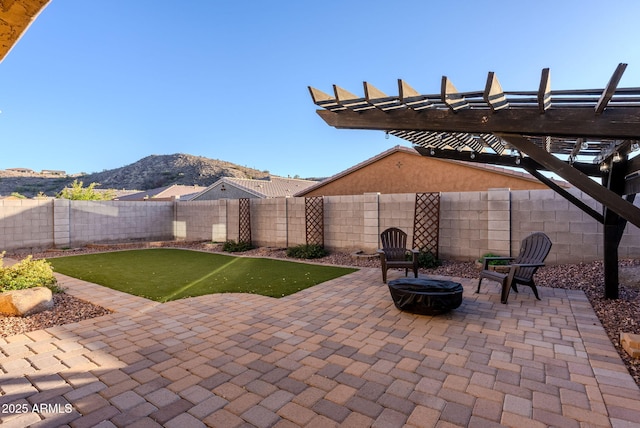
{"points": [[614, 225]]}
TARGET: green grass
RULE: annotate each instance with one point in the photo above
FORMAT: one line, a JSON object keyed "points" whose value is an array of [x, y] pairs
{"points": [[169, 274]]}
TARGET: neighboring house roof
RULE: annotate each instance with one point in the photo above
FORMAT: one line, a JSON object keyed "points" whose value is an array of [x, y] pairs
{"points": [[175, 191], [273, 187], [23, 170], [508, 174]]}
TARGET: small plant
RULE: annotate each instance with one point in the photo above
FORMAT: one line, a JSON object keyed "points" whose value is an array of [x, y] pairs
{"points": [[427, 260], [236, 247], [307, 251], [493, 262], [27, 273]]}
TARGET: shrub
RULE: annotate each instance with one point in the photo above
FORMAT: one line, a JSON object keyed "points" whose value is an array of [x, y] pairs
{"points": [[78, 192], [493, 262], [427, 260], [307, 251], [236, 247], [27, 273]]}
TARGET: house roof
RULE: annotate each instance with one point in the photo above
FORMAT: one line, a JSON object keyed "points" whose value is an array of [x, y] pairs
{"points": [[167, 192], [15, 18], [272, 187], [411, 151]]}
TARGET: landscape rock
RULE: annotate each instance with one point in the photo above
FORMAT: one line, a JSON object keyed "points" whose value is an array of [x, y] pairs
{"points": [[26, 302], [631, 344]]}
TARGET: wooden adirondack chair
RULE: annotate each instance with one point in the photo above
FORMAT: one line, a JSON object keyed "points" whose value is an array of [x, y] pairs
{"points": [[394, 253], [533, 251]]}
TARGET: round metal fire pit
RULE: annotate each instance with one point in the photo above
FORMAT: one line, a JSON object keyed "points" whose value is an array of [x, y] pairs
{"points": [[425, 296]]}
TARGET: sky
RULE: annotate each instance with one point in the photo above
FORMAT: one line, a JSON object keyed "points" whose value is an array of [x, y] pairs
{"points": [[95, 85]]}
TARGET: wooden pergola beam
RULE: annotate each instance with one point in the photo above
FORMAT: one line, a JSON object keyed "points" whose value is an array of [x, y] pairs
{"points": [[576, 122], [544, 92], [588, 169], [610, 90], [451, 97], [493, 93], [565, 194], [606, 197]]}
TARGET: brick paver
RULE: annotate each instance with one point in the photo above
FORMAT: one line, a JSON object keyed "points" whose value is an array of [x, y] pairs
{"points": [[338, 354]]}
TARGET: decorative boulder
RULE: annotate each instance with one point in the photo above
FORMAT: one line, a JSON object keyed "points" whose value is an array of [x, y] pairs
{"points": [[26, 302]]}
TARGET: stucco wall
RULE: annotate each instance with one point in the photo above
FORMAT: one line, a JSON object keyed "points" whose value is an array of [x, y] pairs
{"points": [[229, 192], [402, 172]]}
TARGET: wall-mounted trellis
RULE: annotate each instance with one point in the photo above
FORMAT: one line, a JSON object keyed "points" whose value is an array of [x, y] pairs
{"points": [[244, 221], [314, 220], [426, 222]]}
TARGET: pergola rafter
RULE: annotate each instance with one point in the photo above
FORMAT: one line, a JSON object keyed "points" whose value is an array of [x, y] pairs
{"points": [[576, 134]]}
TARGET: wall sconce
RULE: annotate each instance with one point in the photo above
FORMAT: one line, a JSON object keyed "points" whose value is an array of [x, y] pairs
{"points": [[617, 157], [604, 167]]}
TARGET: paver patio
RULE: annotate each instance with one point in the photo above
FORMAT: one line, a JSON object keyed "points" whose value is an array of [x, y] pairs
{"points": [[337, 354]]}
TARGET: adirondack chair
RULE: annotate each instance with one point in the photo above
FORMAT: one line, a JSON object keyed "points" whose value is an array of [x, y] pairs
{"points": [[394, 253], [533, 251]]}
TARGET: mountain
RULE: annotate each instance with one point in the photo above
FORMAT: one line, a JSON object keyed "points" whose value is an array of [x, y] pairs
{"points": [[163, 170], [148, 173]]}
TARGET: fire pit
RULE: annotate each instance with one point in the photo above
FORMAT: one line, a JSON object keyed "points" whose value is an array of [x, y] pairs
{"points": [[425, 296]]}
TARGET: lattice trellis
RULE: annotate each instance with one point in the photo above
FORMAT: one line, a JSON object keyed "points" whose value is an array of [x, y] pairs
{"points": [[426, 223], [314, 220], [244, 221]]}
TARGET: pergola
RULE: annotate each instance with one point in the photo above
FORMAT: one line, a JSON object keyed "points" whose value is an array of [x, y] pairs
{"points": [[15, 18], [578, 135]]}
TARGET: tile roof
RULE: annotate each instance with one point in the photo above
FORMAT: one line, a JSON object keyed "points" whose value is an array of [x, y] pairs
{"points": [[176, 191], [273, 187]]}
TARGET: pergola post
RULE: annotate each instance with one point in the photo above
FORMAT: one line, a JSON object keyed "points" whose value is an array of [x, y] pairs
{"points": [[614, 226]]}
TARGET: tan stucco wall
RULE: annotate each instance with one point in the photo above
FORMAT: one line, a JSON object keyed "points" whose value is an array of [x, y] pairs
{"points": [[402, 172]]}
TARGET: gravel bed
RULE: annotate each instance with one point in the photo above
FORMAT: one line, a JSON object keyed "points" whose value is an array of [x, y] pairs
{"points": [[66, 309], [621, 315]]}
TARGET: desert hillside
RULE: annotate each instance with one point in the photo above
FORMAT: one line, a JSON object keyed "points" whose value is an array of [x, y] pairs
{"points": [[147, 173]]}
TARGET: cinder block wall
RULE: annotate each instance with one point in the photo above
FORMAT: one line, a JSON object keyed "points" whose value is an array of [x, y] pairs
{"points": [[396, 210], [269, 222], [201, 220], [576, 236], [463, 225], [471, 223], [103, 221], [296, 226], [26, 223], [344, 218]]}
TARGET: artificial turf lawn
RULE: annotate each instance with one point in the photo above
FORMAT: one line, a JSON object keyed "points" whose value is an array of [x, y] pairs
{"points": [[164, 274]]}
